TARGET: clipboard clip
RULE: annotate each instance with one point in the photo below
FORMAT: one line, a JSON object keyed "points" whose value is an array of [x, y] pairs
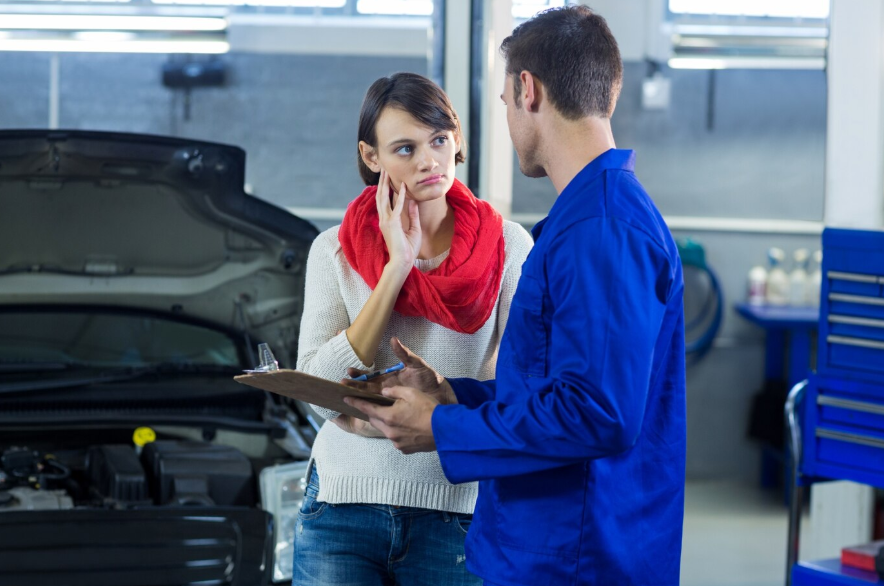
{"points": [[268, 360]]}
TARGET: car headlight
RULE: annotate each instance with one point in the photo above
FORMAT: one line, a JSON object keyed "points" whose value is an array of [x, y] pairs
{"points": [[282, 492]]}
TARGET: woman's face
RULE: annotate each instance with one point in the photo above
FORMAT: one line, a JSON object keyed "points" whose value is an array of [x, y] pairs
{"points": [[421, 157]]}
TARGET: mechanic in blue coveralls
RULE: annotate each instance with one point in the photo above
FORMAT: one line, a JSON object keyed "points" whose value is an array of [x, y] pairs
{"points": [[579, 443]]}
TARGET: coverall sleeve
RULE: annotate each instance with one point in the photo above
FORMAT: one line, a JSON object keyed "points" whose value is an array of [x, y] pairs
{"points": [[607, 285], [471, 392]]}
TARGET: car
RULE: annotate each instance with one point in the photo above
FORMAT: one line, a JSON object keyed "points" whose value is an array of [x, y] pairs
{"points": [[136, 280]]}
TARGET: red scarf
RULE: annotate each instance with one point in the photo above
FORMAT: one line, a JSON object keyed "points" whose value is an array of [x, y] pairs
{"points": [[461, 292]]}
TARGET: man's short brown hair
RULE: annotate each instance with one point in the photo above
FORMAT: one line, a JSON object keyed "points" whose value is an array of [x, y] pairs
{"points": [[574, 55]]}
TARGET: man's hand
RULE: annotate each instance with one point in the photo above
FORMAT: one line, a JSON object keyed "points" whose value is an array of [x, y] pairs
{"points": [[356, 426], [417, 374], [408, 422]]}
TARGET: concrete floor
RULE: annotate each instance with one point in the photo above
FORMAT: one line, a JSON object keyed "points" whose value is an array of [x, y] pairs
{"points": [[734, 535]]}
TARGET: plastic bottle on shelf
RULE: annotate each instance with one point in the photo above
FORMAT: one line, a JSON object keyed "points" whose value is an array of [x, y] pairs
{"points": [[798, 278], [778, 285], [815, 280], [757, 285]]}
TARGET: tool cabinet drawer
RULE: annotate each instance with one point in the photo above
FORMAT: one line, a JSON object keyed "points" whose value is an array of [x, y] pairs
{"points": [[851, 340], [844, 430]]}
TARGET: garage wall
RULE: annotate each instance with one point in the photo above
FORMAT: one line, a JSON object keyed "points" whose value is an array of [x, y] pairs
{"points": [[295, 115], [762, 156], [24, 90]]}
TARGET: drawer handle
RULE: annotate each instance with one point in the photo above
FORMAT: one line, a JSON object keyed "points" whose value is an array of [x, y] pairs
{"points": [[855, 277], [856, 299], [850, 404], [855, 342], [851, 438], [856, 321]]}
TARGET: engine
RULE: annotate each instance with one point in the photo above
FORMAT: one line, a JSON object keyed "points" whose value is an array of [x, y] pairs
{"points": [[162, 473]]}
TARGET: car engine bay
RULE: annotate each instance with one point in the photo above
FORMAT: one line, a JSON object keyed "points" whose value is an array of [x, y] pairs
{"points": [[117, 476]]}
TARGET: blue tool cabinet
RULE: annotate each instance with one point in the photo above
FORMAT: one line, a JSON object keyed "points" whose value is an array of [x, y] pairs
{"points": [[836, 417]]}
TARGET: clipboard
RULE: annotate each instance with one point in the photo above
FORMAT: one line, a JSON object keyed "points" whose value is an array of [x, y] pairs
{"points": [[311, 389]]}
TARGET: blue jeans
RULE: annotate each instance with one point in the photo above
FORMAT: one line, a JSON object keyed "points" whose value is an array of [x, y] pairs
{"points": [[378, 545]]}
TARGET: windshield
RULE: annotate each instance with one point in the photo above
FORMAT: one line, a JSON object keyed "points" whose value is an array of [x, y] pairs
{"points": [[110, 339]]}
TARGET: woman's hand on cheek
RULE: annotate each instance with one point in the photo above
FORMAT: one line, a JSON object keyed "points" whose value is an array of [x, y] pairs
{"points": [[402, 244]]}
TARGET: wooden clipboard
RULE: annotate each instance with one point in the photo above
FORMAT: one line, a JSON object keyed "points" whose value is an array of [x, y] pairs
{"points": [[311, 389]]}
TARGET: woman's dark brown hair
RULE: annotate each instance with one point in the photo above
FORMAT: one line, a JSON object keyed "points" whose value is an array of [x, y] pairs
{"points": [[411, 93]]}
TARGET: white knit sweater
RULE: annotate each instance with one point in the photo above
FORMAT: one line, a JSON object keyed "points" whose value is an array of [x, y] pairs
{"points": [[355, 469]]}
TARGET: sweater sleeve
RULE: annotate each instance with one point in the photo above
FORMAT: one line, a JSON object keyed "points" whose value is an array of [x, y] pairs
{"points": [[323, 347]]}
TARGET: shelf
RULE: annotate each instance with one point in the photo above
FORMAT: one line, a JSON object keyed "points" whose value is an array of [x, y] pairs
{"points": [[780, 316], [831, 573]]}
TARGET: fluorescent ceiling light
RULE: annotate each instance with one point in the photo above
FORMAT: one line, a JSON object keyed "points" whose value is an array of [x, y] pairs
{"points": [[528, 8], [742, 30], [281, 3], [128, 46], [769, 8], [406, 7], [695, 63], [746, 63], [109, 22], [104, 36]]}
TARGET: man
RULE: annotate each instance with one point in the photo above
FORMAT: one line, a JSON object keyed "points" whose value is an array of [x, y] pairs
{"points": [[579, 443]]}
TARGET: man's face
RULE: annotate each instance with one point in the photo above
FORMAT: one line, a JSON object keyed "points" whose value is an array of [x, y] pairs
{"points": [[521, 132]]}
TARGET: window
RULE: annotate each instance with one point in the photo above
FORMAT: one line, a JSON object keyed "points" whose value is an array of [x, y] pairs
{"points": [[522, 9], [753, 8], [525, 9], [315, 4], [396, 7], [748, 34]]}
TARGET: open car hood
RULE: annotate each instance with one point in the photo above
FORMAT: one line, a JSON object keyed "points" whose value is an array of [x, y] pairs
{"points": [[147, 222]]}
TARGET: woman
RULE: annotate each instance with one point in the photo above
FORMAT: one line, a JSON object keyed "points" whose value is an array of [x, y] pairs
{"points": [[417, 257]]}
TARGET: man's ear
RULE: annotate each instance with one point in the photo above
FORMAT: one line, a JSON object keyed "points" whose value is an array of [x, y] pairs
{"points": [[531, 90], [369, 156]]}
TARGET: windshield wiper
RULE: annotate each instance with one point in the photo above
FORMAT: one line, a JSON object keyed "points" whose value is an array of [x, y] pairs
{"points": [[120, 375]]}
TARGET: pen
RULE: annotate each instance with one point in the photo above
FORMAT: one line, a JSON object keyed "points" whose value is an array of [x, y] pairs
{"points": [[371, 375]]}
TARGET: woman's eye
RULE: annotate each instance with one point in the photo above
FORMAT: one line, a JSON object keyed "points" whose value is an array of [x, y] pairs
{"points": [[404, 150], [440, 140]]}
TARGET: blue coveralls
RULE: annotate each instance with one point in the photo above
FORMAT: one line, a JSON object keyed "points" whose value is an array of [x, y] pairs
{"points": [[579, 443]]}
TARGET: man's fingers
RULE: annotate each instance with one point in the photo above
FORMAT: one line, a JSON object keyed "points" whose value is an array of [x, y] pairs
{"points": [[354, 384], [402, 352], [376, 414], [395, 392], [368, 408], [373, 386], [345, 422]]}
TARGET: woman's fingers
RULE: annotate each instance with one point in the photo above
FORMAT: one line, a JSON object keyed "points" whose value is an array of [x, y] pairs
{"points": [[414, 217], [400, 199], [382, 197]]}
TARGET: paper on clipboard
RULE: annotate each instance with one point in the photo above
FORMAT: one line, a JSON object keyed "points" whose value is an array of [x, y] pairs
{"points": [[311, 389]]}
